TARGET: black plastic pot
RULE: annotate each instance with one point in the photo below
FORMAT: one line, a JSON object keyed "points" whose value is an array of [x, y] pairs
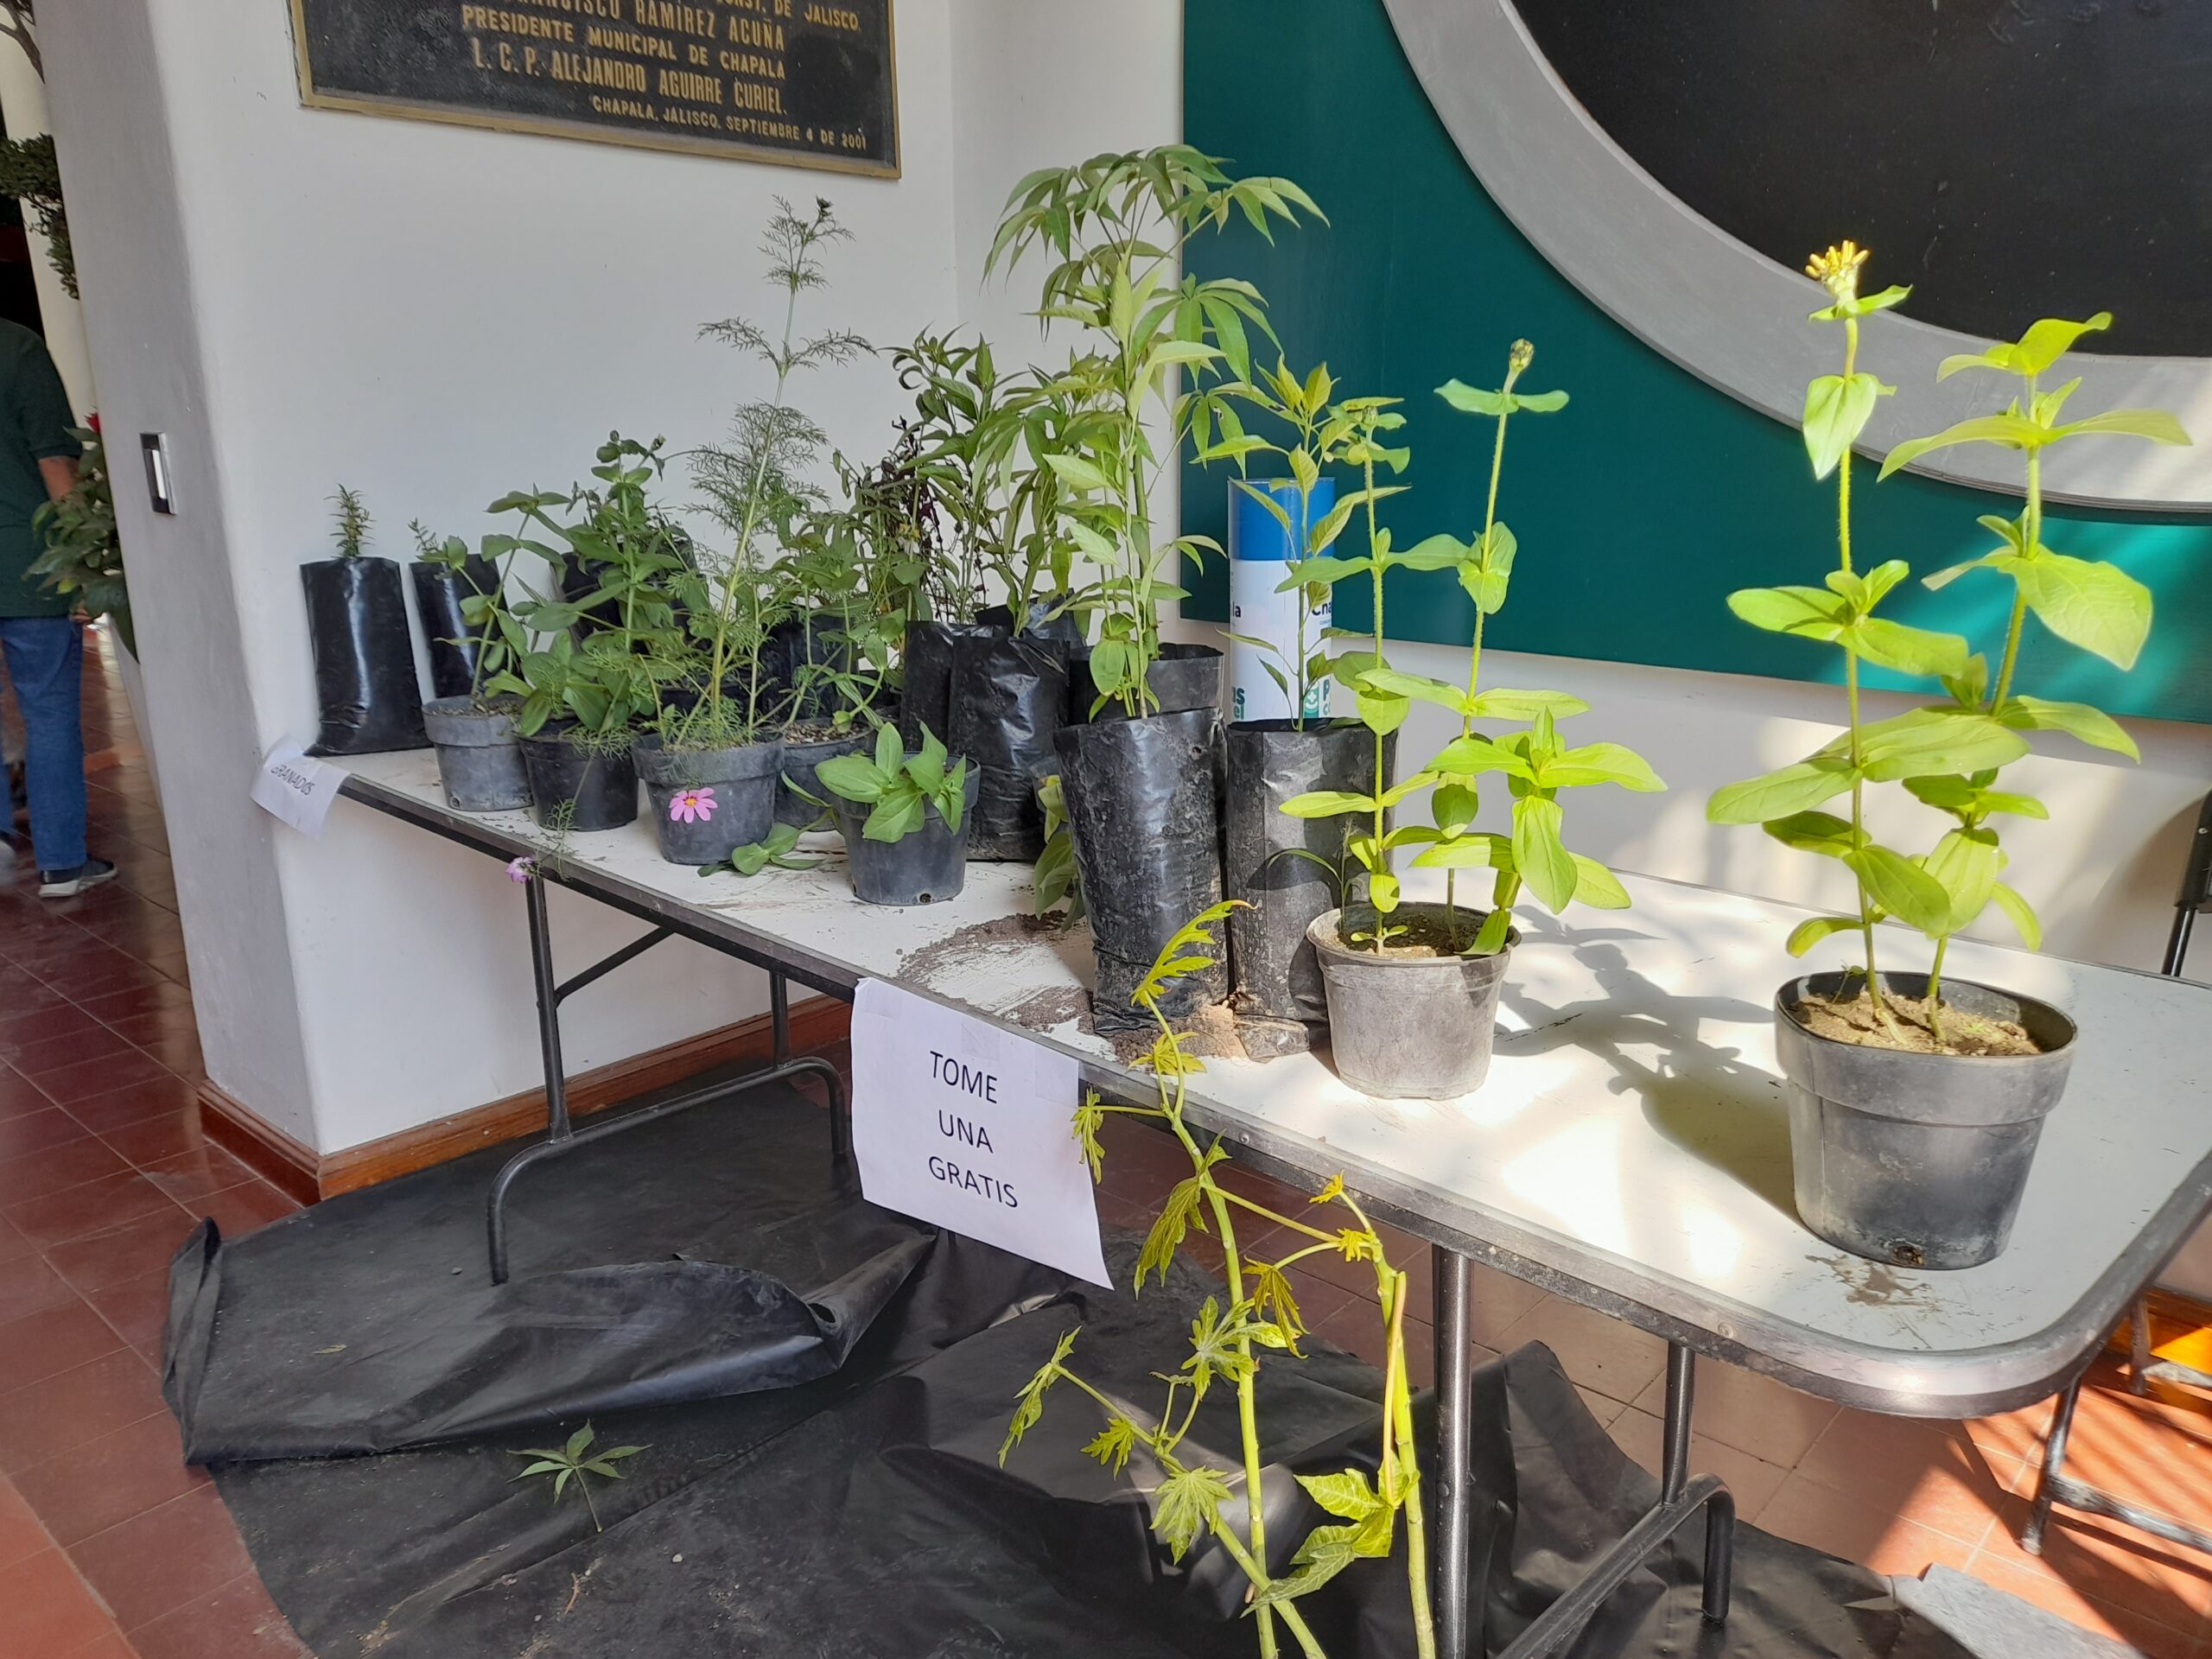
{"points": [[1918, 1160], [599, 786], [996, 698], [480, 757], [439, 594], [810, 642], [579, 579], [1142, 804], [1274, 973], [1181, 676], [364, 658], [801, 762], [1402, 1027], [924, 867], [707, 803]]}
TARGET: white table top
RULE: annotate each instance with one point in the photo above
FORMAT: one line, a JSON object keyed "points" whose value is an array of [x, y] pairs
{"points": [[1630, 1149]]}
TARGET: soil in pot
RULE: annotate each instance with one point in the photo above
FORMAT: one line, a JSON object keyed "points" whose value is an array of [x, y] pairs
{"points": [[480, 757], [1415, 1021], [707, 803], [924, 867], [1274, 976], [439, 594], [1917, 1158], [1142, 803], [584, 785]]}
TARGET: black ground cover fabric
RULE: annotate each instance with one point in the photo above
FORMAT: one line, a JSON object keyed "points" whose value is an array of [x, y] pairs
{"points": [[854, 1505]]}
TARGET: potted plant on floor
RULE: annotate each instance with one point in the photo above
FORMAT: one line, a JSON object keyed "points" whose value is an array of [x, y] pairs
{"points": [[1916, 1102], [474, 731], [993, 678], [1140, 788], [1283, 868], [905, 818], [1412, 988], [726, 743]]}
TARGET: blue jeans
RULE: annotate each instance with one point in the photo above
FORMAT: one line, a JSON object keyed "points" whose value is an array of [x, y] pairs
{"points": [[45, 659]]}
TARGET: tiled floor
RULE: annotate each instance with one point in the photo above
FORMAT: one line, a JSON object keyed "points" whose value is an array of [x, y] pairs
{"points": [[110, 1548]]}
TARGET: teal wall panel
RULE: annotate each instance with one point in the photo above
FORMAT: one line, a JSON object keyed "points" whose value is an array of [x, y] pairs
{"points": [[1641, 506]]}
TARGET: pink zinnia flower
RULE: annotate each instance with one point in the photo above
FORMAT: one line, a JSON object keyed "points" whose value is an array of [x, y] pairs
{"points": [[692, 805], [521, 869]]}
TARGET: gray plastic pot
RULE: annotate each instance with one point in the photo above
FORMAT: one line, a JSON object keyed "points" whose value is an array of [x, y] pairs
{"points": [[480, 757], [801, 762], [1918, 1160], [1409, 1027], [924, 866], [1273, 973], [707, 803]]}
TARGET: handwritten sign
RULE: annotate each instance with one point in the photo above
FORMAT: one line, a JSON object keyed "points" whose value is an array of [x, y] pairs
{"points": [[960, 1123], [297, 788], [808, 83]]}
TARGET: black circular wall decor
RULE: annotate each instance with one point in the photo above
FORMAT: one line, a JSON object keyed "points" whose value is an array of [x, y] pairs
{"points": [[2010, 159], [1677, 160]]}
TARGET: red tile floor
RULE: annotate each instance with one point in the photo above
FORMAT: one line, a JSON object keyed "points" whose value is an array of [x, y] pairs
{"points": [[109, 1548]]}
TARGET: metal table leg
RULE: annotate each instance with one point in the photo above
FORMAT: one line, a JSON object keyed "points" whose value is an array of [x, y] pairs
{"points": [[561, 1135], [1681, 1497], [1454, 1403]]}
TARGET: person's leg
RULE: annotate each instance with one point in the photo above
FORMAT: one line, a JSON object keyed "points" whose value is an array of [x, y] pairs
{"points": [[45, 656]]}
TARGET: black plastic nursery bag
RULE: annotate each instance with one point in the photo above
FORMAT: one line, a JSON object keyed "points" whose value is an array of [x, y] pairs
{"points": [[364, 658], [440, 594]]}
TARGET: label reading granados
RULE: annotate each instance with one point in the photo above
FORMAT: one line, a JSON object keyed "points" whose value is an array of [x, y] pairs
{"points": [[797, 81]]}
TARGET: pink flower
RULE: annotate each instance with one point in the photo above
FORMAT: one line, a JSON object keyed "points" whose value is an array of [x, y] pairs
{"points": [[692, 805], [521, 869]]}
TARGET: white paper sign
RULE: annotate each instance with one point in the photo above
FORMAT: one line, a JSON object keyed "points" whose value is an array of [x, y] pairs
{"points": [[960, 1123], [297, 788]]}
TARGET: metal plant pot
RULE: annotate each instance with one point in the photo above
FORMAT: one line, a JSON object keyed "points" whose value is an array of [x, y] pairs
{"points": [[480, 757], [1409, 1027], [1918, 1160]]}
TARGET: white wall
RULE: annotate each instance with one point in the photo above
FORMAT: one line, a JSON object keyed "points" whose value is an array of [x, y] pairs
{"points": [[434, 315]]}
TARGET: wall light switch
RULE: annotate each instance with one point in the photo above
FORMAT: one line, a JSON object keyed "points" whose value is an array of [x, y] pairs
{"points": [[155, 448]]}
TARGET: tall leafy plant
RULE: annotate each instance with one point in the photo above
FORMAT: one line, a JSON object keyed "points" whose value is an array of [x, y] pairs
{"points": [[755, 487], [1192, 1500], [1155, 349], [84, 551]]}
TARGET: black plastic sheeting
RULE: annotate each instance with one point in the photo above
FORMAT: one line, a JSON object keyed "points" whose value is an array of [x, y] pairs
{"points": [[859, 1511], [364, 658]]}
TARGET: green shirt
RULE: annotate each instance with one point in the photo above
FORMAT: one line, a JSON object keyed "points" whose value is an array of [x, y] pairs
{"points": [[34, 422]]}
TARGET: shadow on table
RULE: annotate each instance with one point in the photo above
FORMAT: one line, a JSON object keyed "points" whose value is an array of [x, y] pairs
{"points": [[1703, 1096]]}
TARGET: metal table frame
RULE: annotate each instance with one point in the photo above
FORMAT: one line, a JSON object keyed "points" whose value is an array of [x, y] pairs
{"points": [[2006, 1376]]}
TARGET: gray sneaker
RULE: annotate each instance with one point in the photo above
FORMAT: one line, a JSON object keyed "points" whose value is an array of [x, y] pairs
{"points": [[67, 884], [7, 862]]}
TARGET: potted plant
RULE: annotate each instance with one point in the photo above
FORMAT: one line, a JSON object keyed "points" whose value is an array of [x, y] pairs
{"points": [[993, 678], [1412, 988], [84, 551], [1140, 788], [910, 844], [479, 749], [1915, 1103], [363, 650], [1284, 869], [445, 575], [727, 738]]}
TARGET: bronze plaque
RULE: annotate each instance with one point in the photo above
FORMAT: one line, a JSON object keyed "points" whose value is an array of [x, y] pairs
{"points": [[807, 83]]}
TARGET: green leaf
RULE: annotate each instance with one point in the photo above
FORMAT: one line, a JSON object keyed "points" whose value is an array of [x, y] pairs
{"points": [[1189, 1502], [1472, 400], [894, 817], [1813, 832], [2077, 719], [2006, 431], [1599, 763], [1347, 1495], [2050, 338], [1113, 1443], [2020, 914], [1381, 712], [1029, 1403], [1836, 412], [1901, 888], [2088, 603], [1382, 891], [1942, 739], [1436, 552], [1807, 613], [1596, 885], [1543, 862], [1078, 474], [1484, 851], [2155, 424], [1778, 794], [1806, 934], [1327, 803], [1540, 403], [1453, 806], [1470, 757], [1500, 703], [1965, 864], [1908, 650]]}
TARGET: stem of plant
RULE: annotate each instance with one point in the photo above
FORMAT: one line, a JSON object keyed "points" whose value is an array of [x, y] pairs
{"points": [[1382, 853]]}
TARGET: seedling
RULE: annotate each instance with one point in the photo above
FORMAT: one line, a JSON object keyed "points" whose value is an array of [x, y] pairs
{"points": [[353, 529], [898, 787], [576, 1460]]}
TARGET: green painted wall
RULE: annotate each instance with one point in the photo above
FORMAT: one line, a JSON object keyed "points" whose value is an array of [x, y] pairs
{"points": [[1652, 495]]}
